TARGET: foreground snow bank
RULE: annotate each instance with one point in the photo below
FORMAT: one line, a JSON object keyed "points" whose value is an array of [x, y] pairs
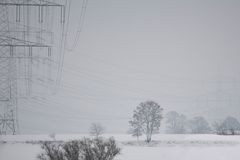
{"points": [[14, 147], [180, 153], [26, 151]]}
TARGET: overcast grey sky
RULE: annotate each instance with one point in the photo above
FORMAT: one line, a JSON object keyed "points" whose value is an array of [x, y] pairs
{"points": [[182, 54]]}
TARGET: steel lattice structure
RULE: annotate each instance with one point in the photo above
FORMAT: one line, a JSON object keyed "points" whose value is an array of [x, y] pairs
{"points": [[29, 48]]}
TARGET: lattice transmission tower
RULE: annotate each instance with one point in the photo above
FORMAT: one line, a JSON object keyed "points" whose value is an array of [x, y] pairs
{"points": [[31, 48]]}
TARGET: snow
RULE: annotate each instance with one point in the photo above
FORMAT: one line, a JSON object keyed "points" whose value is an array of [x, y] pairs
{"points": [[19, 151], [180, 153], [166, 147]]}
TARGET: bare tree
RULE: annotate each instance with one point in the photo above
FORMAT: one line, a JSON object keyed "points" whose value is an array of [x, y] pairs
{"points": [[96, 129], [218, 128], [146, 119], [176, 124], [53, 136], [198, 125], [231, 126]]}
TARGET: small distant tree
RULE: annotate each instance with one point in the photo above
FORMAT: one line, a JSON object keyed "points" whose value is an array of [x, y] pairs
{"points": [[146, 119], [198, 125], [96, 129], [176, 124], [53, 136]]}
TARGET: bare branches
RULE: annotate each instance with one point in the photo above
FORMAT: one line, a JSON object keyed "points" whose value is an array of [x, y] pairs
{"points": [[230, 126], [146, 119], [86, 149], [96, 129]]}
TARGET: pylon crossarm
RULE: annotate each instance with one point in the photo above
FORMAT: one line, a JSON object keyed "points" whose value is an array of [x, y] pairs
{"points": [[31, 3]]}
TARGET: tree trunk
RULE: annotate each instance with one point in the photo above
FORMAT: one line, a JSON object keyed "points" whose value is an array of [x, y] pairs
{"points": [[148, 138]]}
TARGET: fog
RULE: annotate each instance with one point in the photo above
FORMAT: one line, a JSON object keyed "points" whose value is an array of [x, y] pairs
{"points": [[183, 55]]}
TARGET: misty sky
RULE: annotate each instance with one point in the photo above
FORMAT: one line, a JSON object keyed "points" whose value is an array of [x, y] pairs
{"points": [[182, 54]]}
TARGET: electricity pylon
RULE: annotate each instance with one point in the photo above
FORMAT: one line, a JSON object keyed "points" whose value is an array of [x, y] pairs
{"points": [[26, 36]]}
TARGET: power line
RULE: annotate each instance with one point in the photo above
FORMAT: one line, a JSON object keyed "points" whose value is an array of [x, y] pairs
{"points": [[80, 24]]}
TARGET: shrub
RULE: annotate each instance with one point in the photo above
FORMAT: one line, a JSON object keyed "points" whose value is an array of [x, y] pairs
{"points": [[86, 149], [71, 150], [99, 149], [52, 151]]}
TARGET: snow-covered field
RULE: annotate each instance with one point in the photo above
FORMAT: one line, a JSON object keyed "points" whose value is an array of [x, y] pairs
{"points": [[165, 147]]}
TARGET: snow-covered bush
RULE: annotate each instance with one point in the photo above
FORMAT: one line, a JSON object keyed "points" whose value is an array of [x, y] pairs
{"points": [[52, 151], [86, 149], [71, 150], [98, 149]]}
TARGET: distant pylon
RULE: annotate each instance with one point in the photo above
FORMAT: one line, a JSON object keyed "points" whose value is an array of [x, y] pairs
{"points": [[8, 103]]}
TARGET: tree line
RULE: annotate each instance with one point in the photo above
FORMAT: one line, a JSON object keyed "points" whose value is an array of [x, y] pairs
{"points": [[147, 118], [179, 124]]}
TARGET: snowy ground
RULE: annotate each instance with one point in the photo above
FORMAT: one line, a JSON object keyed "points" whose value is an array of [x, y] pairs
{"points": [[165, 147]]}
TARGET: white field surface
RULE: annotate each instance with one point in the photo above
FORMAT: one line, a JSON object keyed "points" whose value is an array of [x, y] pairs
{"points": [[164, 147]]}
